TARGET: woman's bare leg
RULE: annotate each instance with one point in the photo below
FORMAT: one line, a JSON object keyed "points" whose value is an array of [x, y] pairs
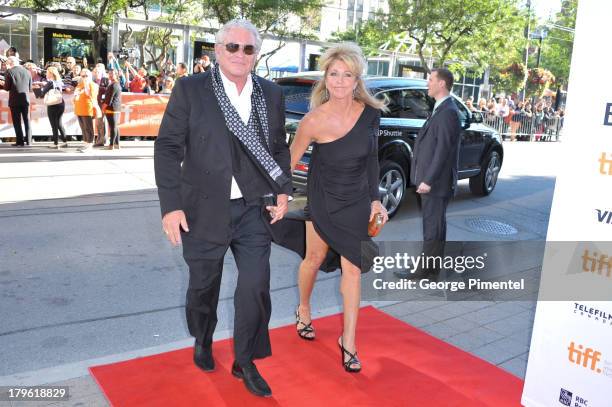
{"points": [[316, 250], [350, 288]]}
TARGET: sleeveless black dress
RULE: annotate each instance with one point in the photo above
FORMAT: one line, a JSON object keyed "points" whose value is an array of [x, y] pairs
{"points": [[342, 183]]}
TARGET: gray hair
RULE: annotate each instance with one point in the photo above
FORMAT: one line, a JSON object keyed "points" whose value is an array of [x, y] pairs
{"points": [[12, 61], [239, 23]]}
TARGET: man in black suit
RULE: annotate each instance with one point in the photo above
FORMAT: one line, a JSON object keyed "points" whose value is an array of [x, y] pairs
{"points": [[226, 127], [435, 164], [18, 82]]}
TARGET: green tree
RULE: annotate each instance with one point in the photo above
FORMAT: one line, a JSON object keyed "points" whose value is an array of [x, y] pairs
{"points": [[154, 43], [369, 35], [556, 52], [100, 12], [474, 32], [276, 17]]}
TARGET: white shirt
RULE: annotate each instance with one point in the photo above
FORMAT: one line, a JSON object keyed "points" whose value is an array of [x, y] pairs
{"points": [[242, 104], [438, 103]]}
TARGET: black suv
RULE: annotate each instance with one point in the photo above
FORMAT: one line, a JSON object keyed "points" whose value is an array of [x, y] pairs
{"points": [[481, 151]]}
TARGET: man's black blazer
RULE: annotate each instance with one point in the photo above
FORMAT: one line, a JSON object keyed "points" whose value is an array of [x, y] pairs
{"points": [[193, 132], [18, 82], [436, 151]]}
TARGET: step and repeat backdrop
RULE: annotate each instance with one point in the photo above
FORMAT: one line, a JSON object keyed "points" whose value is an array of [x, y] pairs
{"points": [[570, 360]]}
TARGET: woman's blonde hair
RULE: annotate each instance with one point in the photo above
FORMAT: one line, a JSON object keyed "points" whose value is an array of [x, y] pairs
{"points": [[351, 55], [55, 73]]}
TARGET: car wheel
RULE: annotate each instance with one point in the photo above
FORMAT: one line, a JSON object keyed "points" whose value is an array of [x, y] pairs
{"points": [[484, 183], [391, 186]]}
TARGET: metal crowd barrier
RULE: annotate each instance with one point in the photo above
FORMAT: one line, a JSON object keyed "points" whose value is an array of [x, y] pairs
{"points": [[525, 128]]}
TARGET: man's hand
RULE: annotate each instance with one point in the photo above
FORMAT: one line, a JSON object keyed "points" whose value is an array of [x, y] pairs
{"points": [[172, 222], [423, 188], [277, 212]]}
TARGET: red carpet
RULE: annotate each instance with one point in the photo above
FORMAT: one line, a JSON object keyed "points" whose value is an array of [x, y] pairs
{"points": [[402, 366]]}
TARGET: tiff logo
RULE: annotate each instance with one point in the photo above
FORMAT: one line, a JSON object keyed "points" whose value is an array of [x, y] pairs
{"points": [[596, 263], [588, 358], [604, 216], [605, 164]]}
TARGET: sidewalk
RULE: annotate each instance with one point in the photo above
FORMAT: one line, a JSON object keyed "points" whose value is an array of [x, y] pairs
{"points": [[66, 184], [496, 332]]}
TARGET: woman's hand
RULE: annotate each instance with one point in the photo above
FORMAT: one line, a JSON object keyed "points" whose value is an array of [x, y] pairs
{"points": [[377, 208]]}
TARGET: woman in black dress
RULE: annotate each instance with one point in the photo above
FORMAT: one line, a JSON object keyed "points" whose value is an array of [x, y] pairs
{"points": [[342, 186]]}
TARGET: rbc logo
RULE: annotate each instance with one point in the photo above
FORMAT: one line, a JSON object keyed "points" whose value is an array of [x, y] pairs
{"points": [[565, 397]]}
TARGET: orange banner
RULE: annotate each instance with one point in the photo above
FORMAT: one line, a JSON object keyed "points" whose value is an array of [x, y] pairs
{"points": [[141, 115]]}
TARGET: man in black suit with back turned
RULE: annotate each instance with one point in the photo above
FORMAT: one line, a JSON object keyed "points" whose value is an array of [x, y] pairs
{"points": [[226, 127], [18, 82], [435, 164]]}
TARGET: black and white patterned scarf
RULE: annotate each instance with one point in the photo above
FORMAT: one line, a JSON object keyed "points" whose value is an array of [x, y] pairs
{"points": [[247, 133]]}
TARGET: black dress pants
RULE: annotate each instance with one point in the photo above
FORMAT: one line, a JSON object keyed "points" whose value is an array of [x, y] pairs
{"points": [[250, 245], [113, 127], [17, 114], [433, 211]]}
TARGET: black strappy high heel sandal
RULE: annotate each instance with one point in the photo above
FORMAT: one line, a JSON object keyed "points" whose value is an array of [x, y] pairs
{"points": [[353, 359], [306, 330]]}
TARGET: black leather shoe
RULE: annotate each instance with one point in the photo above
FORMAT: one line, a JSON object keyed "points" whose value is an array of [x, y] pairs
{"points": [[252, 379], [203, 358]]}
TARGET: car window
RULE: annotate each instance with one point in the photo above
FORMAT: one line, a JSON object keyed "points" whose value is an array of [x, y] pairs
{"points": [[408, 103], [297, 96], [463, 113]]}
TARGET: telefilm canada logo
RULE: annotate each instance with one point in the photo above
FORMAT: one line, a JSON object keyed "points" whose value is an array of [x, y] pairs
{"points": [[593, 314]]}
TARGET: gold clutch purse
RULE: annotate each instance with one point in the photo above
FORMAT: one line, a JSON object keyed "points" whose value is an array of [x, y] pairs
{"points": [[375, 225]]}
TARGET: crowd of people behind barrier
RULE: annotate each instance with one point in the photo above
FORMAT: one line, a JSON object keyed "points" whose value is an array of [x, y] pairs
{"points": [[97, 90], [98, 99], [521, 120]]}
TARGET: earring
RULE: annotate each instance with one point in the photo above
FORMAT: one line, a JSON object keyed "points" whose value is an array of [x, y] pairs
{"points": [[326, 94]]}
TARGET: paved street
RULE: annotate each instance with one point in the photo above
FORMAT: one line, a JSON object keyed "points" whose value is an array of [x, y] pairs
{"points": [[87, 277]]}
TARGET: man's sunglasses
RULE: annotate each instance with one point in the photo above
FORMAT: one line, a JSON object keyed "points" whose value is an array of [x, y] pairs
{"points": [[232, 48]]}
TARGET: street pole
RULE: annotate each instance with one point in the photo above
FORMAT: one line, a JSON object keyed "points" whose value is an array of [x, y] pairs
{"points": [[539, 52], [526, 53]]}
